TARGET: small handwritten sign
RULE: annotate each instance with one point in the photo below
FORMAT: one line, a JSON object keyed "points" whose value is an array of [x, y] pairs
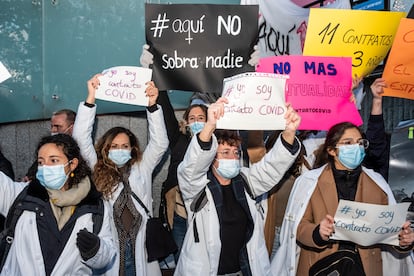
{"points": [[319, 88], [366, 36], [368, 224], [399, 69], [256, 101], [124, 84]]}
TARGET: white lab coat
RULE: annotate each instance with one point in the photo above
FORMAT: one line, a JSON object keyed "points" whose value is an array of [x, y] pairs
{"points": [[286, 258], [25, 255], [140, 178], [203, 258]]}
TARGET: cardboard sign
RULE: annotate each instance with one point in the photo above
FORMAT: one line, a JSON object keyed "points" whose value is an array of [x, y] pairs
{"points": [[368, 224], [319, 88], [124, 84], [366, 36], [256, 102], [196, 46], [399, 69]]}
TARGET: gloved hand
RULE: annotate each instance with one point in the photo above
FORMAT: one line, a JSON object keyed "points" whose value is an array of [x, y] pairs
{"points": [[88, 244], [146, 59], [255, 56]]}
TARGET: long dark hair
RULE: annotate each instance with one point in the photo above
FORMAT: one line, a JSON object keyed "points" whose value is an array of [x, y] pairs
{"points": [[106, 174], [71, 150]]}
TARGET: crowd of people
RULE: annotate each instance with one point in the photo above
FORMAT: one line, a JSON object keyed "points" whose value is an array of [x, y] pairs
{"points": [[227, 218], [85, 205]]}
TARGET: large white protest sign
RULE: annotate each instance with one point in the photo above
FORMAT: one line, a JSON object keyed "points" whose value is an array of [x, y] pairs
{"points": [[4, 73], [256, 102], [367, 224], [124, 84]]}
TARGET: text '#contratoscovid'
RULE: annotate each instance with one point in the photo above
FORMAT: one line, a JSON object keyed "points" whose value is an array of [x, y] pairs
{"points": [[313, 110]]}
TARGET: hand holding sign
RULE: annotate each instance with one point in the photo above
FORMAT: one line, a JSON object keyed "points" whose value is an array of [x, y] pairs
{"points": [[406, 235], [292, 124], [368, 224], [152, 93], [326, 227], [93, 85], [214, 113], [256, 102], [124, 84]]}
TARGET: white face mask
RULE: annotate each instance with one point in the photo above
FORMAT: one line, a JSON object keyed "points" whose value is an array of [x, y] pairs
{"points": [[64, 132], [228, 168]]}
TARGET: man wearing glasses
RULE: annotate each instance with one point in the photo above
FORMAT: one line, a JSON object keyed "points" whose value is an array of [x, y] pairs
{"points": [[225, 233]]}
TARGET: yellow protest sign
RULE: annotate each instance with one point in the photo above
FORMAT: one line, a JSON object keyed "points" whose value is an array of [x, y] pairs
{"points": [[366, 36], [399, 69]]}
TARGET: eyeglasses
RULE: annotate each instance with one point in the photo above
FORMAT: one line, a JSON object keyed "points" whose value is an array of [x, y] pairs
{"points": [[229, 154], [362, 142]]}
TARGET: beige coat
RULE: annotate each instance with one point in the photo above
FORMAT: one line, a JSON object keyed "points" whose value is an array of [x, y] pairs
{"points": [[324, 201]]}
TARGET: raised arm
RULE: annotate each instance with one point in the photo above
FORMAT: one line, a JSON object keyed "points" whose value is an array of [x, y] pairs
{"points": [[171, 122], [378, 151], [158, 141], [85, 119]]}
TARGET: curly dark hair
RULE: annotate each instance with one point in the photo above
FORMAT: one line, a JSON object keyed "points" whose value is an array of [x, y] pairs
{"points": [[106, 174], [71, 150], [332, 138]]}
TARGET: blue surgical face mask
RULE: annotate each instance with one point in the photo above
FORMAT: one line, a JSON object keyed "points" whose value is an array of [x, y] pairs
{"points": [[351, 156], [119, 156], [196, 127], [52, 177], [228, 168]]}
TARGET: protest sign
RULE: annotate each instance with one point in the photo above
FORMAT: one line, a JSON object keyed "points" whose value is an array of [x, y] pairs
{"points": [[399, 69], [368, 224], [4, 73], [124, 84], [366, 36], [283, 24], [256, 102], [196, 46], [319, 88]]}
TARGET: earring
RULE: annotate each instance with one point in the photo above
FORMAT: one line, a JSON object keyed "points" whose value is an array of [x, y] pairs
{"points": [[72, 174]]}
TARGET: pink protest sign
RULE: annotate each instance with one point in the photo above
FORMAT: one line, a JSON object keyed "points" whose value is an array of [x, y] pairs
{"points": [[319, 88]]}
